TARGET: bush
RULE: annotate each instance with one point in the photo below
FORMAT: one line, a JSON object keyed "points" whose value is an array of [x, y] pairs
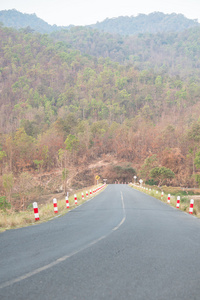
{"points": [[3, 203], [151, 182]]}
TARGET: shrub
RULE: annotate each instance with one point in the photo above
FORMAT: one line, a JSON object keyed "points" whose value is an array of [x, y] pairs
{"points": [[3, 203]]}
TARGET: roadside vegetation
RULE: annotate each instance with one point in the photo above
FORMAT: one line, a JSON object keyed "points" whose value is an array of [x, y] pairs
{"points": [[10, 219]]}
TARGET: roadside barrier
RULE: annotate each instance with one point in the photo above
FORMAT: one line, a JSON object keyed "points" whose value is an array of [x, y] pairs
{"points": [[191, 206], [35, 208], [178, 202], [75, 199], [55, 205], [67, 201]]}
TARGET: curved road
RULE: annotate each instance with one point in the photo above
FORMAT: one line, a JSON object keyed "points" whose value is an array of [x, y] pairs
{"points": [[122, 244]]}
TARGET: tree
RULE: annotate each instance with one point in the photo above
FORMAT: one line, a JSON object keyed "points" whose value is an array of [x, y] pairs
{"points": [[197, 165], [65, 173], [149, 163], [23, 149], [25, 184], [197, 160], [39, 164], [3, 155], [72, 144], [8, 181], [161, 174], [123, 173]]}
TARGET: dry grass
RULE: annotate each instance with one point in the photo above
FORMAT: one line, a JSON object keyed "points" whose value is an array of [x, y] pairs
{"points": [[10, 219]]}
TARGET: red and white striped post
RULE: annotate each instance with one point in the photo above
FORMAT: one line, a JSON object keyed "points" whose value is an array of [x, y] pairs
{"points": [[55, 205], [178, 202], [90, 193], [82, 196], [75, 198], [168, 198], [162, 194], [86, 193], [67, 201], [191, 206], [35, 208]]}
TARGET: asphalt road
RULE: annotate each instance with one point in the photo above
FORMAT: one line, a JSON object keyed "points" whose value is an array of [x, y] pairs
{"points": [[123, 244]]}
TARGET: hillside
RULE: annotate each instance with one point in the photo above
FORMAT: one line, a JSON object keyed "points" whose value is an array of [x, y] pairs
{"points": [[63, 110], [176, 54]]}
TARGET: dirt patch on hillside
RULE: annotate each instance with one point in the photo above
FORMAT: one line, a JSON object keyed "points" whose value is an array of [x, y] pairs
{"points": [[49, 185]]}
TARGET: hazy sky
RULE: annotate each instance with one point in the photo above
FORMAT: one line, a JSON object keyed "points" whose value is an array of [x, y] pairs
{"points": [[85, 12]]}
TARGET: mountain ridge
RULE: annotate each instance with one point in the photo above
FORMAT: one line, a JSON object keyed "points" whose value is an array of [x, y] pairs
{"points": [[152, 23], [18, 20], [124, 25]]}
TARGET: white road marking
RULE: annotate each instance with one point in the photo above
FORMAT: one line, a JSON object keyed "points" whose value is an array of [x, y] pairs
{"points": [[63, 258], [124, 214]]}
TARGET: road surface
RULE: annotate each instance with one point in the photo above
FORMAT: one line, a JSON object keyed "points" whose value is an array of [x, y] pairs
{"points": [[123, 244]]}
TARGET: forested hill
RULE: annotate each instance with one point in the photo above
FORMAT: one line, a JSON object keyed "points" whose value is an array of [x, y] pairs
{"points": [[59, 107], [152, 23], [177, 54], [15, 19], [79, 96]]}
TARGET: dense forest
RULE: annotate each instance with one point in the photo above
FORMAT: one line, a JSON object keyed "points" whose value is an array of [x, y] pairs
{"points": [[65, 104], [176, 54]]}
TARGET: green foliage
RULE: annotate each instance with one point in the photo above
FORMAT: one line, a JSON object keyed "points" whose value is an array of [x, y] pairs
{"points": [[65, 173], [3, 203], [124, 173], [161, 174], [197, 160], [38, 163], [71, 143], [197, 178], [151, 182], [148, 164], [2, 155], [8, 181]]}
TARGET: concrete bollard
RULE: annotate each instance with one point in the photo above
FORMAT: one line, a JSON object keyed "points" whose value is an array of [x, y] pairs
{"points": [[67, 201], [178, 202], [75, 199], [191, 206], [35, 208], [55, 205]]}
